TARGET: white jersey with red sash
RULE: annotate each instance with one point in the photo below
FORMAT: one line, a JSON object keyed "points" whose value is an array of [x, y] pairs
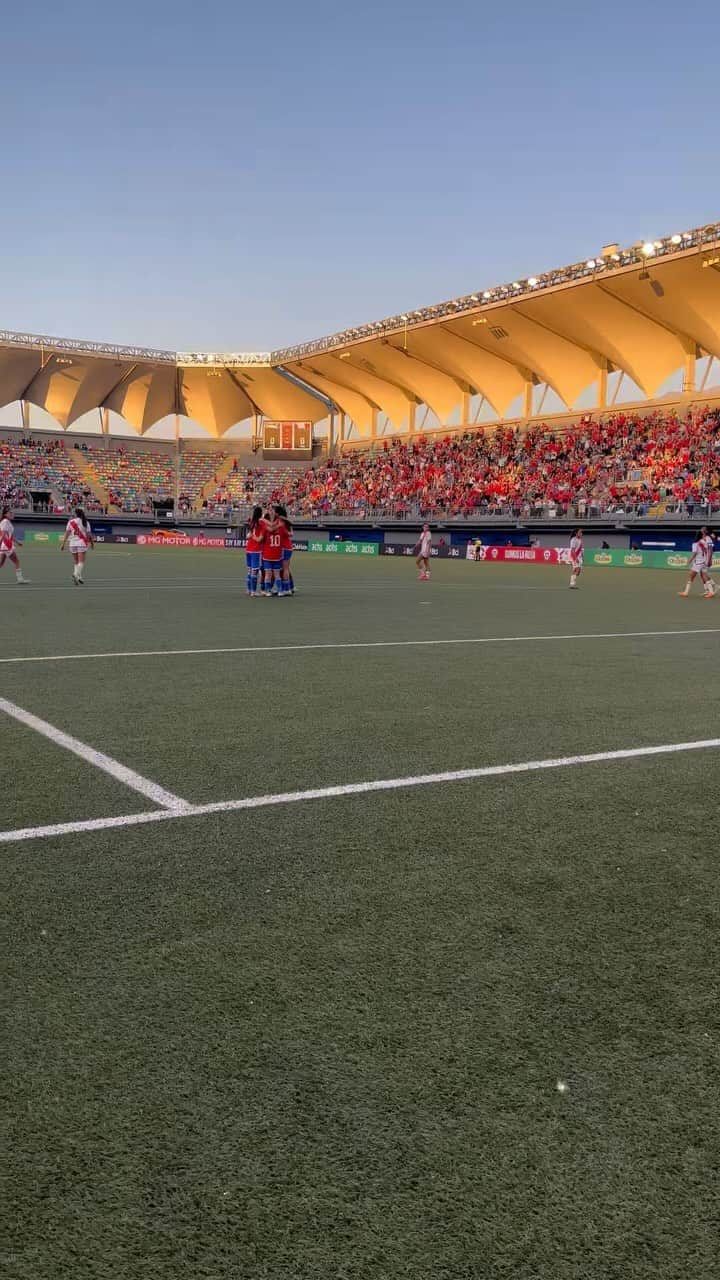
{"points": [[7, 538], [79, 534]]}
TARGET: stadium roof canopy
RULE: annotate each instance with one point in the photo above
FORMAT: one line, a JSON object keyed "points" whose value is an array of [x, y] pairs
{"points": [[645, 312]]}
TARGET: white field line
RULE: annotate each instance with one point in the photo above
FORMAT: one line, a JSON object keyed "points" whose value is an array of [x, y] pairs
{"points": [[348, 789], [120, 772], [358, 644]]}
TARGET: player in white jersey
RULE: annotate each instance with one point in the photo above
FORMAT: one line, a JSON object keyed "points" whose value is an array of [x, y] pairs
{"points": [[79, 534], [710, 544], [423, 546], [8, 549], [576, 557], [700, 560]]}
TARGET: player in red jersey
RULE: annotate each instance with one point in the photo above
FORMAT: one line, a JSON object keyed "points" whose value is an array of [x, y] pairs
{"points": [[79, 534], [253, 551], [272, 552], [7, 545], [286, 584]]}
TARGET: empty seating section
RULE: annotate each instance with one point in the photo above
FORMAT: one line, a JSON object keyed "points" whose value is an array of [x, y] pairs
{"points": [[132, 477], [197, 469], [30, 467], [660, 461]]}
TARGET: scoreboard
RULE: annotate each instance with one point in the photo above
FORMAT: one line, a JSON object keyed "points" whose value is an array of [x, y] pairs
{"points": [[287, 439]]}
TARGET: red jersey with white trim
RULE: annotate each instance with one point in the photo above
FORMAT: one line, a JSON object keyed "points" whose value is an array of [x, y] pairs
{"points": [[271, 542], [709, 544], [286, 542], [7, 537], [254, 539]]}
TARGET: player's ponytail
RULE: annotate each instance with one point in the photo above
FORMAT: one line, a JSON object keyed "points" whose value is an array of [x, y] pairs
{"points": [[255, 519], [81, 517], [5, 512]]}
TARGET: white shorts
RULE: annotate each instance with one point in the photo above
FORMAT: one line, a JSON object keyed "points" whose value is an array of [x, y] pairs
{"points": [[8, 551], [77, 544], [698, 566]]}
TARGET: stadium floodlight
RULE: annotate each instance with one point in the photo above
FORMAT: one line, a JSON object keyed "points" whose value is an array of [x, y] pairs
{"points": [[676, 239], [533, 281], [648, 249], [487, 294], [590, 264]]}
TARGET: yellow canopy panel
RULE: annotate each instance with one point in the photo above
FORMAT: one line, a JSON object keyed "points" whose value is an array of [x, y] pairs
{"points": [[647, 312]]}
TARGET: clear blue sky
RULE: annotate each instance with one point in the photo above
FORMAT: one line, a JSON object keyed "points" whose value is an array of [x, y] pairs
{"points": [[248, 175]]}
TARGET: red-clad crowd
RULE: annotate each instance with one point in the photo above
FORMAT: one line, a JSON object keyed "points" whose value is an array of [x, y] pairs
{"points": [[623, 463]]}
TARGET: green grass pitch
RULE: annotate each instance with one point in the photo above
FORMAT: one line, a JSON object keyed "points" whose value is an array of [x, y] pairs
{"points": [[323, 1039]]}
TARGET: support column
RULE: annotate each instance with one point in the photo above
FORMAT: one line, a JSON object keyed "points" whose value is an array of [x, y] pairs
{"points": [[373, 425], [25, 414], [412, 417], [527, 399], [602, 384], [177, 465], [690, 370], [465, 409]]}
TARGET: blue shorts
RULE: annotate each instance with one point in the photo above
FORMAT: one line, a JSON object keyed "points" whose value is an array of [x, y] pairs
{"points": [[272, 564], [287, 552], [252, 559]]}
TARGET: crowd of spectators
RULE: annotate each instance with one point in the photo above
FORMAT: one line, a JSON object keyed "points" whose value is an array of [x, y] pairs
{"points": [[658, 462], [40, 475]]}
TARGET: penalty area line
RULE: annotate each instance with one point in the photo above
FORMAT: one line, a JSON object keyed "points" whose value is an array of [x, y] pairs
{"points": [[359, 644], [120, 772], [184, 810]]}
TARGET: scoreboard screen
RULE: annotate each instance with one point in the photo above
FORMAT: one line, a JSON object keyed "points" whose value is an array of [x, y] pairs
{"points": [[291, 438]]}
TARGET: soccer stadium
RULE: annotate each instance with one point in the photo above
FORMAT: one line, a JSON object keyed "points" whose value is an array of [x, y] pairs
{"points": [[372, 935]]}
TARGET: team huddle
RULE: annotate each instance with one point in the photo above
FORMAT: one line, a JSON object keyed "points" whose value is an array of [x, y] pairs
{"points": [[268, 553]]}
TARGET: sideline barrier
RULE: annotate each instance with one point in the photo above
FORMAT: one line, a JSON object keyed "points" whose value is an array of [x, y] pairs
{"points": [[597, 559], [346, 548], [616, 559], [151, 540], [639, 559]]}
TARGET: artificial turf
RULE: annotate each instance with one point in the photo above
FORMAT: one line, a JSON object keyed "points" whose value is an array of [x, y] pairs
{"points": [[324, 1039]]}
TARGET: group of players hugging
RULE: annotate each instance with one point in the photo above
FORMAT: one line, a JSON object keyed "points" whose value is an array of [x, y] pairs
{"points": [[268, 553]]}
